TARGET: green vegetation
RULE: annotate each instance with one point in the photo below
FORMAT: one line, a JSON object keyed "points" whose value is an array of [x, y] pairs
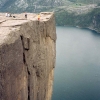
{"points": [[77, 4], [86, 1], [64, 18], [91, 19]]}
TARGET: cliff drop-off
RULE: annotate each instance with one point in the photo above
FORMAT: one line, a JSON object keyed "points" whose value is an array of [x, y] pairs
{"points": [[27, 56]]}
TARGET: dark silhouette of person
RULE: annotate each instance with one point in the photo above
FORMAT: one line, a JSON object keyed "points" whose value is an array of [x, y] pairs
{"points": [[25, 15]]}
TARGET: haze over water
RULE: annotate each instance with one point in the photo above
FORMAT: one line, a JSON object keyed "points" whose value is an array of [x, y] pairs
{"points": [[77, 72]]}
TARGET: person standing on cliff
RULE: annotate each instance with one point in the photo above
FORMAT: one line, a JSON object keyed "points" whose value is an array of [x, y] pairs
{"points": [[38, 17], [25, 15], [6, 14]]}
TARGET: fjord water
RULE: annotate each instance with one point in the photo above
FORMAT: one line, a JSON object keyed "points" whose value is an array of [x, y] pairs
{"points": [[77, 72]]}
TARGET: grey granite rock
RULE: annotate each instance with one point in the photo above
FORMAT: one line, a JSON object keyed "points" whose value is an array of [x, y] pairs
{"points": [[27, 57]]}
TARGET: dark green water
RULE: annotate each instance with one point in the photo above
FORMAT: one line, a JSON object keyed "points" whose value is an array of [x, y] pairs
{"points": [[77, 72]]}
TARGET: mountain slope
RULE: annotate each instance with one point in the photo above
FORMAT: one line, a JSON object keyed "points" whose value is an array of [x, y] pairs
{"points": [[18, 6], [30, 5]]}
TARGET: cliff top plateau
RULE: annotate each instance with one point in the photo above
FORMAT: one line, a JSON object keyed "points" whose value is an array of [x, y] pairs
{"points": [[13, 23]]}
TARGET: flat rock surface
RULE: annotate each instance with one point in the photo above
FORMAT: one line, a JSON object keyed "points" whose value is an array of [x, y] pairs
{"points": [[9, 24]]}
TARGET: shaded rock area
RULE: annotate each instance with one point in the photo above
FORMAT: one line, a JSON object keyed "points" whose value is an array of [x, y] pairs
{"points": [[27, 56]]}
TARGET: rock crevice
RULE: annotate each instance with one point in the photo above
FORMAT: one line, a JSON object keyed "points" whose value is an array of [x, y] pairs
{"points": [[27, 58]]}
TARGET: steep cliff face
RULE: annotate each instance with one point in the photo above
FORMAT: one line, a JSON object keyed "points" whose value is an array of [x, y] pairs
{"points": [[27, 57]]}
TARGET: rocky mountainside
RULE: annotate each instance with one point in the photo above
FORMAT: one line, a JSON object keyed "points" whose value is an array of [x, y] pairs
{"points": [[86, 1], [89, 20], [18, 6], [30, 5]]}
